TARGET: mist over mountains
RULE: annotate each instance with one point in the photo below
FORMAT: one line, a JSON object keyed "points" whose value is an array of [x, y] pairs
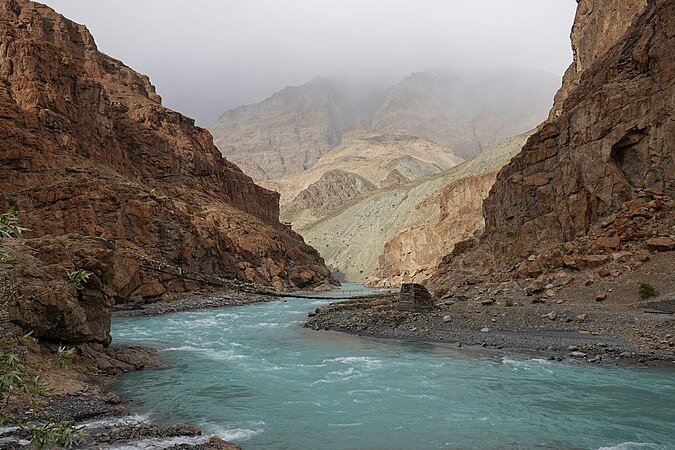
{"points": [[463, 111]]}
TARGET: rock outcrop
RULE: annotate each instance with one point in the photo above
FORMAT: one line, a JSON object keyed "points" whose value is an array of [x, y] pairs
{"points": [[599, 174], [88, 150], [335, 188], [612, 136], [414, 253]]}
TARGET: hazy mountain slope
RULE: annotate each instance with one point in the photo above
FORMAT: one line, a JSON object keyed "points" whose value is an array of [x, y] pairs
{"points": [[288, 132], [467, 112], [352, 239], [380, 159]]}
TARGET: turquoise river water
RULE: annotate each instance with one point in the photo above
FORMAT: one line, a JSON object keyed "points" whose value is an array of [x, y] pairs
{"points": [[254, 375]]}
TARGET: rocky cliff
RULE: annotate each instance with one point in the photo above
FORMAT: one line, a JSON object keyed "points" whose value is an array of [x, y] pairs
{"points": [[612, 136], [88, 150], [603, 163], [457, 212]]}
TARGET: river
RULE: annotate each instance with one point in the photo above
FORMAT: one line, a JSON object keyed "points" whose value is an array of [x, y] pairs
{"points": [[254, 375]]}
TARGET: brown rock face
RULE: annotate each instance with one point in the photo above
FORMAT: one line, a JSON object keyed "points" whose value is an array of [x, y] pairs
{"points": [[414, 253], [612, 136], [87, 149], [42, 300], [598, 26], [335, 188]]}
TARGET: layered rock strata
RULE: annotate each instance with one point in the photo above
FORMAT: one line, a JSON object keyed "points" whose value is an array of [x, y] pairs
{"points": [[354, 239], [603, 165], [88, 150]]}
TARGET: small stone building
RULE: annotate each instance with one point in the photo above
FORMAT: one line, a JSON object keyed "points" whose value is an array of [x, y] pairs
{"points": [[415, 298]]}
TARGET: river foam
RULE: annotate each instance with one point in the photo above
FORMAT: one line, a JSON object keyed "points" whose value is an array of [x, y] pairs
{"points": [[252, 374]]}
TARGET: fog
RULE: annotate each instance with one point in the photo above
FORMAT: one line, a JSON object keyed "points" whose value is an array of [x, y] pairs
{"points": [[207, 56]]}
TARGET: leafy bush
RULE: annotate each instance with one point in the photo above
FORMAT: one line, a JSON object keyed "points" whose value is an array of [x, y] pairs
{"points": [[646, 290], [65, 356], [78, 278], [9, 227], [15, 382]]}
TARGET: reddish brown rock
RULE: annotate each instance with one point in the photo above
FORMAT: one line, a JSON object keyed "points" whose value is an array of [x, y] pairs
{"points": [[586, 262], [610, 138], [111, 182], [661, 244], [89, 150], [606, 150], [607, 243]]}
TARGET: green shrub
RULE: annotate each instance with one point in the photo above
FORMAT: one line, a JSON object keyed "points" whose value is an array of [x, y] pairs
{"points": [[15, 382], [646, 290], [78, 278], [65, 356], [9, 227]]}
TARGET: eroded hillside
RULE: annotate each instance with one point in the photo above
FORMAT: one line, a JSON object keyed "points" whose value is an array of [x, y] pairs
{"points": [[108, 180], [372, 232]]}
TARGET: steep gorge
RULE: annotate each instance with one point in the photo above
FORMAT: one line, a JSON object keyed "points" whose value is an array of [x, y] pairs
{"points": [[108, 180], [604, 153]]}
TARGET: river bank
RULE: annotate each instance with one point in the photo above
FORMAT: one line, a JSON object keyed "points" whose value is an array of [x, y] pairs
{"points": [[81, 391], [562, 330]]}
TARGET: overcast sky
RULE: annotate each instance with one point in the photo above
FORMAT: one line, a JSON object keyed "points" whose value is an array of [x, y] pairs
{"points": [[207, 56]]}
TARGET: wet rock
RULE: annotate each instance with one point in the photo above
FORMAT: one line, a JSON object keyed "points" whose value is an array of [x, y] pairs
{"points": [[181, 429], [215, 443]]}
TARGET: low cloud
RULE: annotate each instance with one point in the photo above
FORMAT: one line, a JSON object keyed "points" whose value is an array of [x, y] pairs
{"points": [[207, 56]]}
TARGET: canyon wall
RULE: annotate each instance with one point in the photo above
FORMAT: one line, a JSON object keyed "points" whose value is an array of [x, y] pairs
{"points": [[613, 134], [88, 150], [604, 161]]}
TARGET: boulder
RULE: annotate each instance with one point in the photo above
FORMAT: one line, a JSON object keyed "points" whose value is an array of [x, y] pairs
{"points": [[661, 244], [586, 262], [44, 301]]}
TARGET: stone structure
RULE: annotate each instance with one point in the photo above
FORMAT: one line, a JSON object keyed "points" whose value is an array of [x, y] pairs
{"points": [[414, 298]]}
